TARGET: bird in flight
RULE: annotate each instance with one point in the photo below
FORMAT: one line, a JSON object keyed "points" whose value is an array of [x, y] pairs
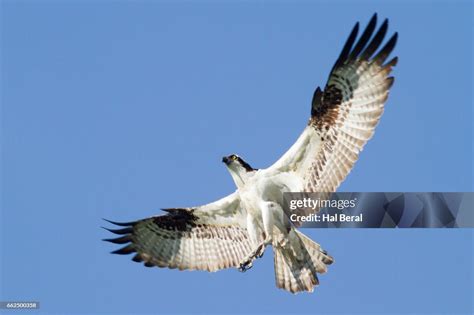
{"points": [[235, 230]]}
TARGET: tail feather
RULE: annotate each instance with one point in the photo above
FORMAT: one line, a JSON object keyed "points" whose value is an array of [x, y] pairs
{"points": [[296, 267], [319, 257]]}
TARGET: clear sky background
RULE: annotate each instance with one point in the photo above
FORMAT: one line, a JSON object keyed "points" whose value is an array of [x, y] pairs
{"points": [[116, 109]]}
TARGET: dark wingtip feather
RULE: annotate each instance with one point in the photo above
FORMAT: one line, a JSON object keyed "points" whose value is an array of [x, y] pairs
{"points": [[120, 231], [120, 223], [392, 63], [137, 258], [386, 50], [124, 250], [149, 264], [364, 39], [119, 240], [376, 41], [347, 46]]}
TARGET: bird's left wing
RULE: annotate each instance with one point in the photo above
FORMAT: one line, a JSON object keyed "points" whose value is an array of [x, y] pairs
{"points": [[209, 237], [344, 115]]}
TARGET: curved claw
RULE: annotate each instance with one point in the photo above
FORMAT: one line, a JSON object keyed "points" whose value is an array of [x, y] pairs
{"points": [[245, 266]]}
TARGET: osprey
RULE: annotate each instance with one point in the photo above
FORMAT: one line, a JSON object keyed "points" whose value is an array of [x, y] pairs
{"points": [[235, 230]]}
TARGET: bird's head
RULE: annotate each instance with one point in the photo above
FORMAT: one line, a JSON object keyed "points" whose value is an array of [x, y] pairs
{"points": [[238, 168]]}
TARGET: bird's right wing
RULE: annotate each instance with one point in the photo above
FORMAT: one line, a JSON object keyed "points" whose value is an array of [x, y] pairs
{"points": [[343, 115], [209, 237]]}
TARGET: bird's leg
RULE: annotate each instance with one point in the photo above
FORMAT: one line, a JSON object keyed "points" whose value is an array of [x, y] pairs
{"points": [[255, 237], [272, 216], [268, 209], [247, 263]]}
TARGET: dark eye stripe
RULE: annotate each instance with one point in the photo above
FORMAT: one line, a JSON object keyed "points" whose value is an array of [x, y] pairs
{"points": [[247, 167]]}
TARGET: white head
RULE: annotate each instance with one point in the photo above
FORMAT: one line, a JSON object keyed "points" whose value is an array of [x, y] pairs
{"points": [[239, 169]]}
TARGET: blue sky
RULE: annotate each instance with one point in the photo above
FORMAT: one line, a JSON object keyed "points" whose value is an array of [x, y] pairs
{"points": [[116, 109]]}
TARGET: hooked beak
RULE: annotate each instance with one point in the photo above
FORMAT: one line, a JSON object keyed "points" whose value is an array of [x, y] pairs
{"points": [[226, 160]]}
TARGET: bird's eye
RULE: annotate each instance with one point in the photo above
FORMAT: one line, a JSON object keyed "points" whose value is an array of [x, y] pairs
{"points": [[233, 157]]}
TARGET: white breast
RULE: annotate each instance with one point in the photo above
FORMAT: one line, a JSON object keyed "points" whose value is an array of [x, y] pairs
{"points": [[268, 186]]}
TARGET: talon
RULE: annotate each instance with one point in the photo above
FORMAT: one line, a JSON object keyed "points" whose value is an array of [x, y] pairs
{"points": [[247, 263], [245, 266]]}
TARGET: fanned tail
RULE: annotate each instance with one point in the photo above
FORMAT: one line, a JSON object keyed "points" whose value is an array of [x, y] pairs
{"points": [[298, 263]]}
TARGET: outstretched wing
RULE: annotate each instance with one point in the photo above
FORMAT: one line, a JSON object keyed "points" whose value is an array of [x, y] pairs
{"points": [[209, 237], [345, 114]]}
